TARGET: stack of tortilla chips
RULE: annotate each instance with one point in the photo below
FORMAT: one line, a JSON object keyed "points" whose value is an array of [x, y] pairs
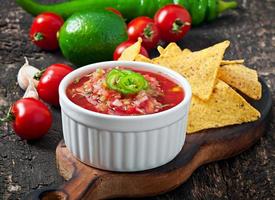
{"points": [[214, 101]]}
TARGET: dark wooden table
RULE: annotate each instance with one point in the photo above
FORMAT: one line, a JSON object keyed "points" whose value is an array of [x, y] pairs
{"points": [[25, 167]]}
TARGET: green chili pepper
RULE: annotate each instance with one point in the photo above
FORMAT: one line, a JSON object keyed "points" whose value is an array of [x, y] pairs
{"points": [[211, 13], [126, 81], [198, 7], [200, 10]]}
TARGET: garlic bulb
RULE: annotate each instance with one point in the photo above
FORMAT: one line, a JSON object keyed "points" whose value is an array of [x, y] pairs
{"points": [[26, 74], [31, 91]]}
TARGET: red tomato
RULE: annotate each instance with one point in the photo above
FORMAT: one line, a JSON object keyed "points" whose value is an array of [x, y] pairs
{"points": [[114, 11], [43, 32], [49, 81], [145, 28], [173, 22], [32, 118], [120, 48]]}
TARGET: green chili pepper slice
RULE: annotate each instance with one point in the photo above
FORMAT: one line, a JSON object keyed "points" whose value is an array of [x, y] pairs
{"points": [[132, 83], [126, 81], [112, 78]]}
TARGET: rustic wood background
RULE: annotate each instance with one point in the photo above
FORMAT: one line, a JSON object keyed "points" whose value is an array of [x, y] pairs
{"points": [[26, 166]]}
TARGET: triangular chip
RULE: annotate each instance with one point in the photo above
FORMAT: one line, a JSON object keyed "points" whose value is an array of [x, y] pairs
{"points": [[160, 49], [132, 51], [242, 78], [142, 58], [185, 52], [172, 57], [227, 62], [169, 56], [172, 49], [201, 68], [225, 107]]}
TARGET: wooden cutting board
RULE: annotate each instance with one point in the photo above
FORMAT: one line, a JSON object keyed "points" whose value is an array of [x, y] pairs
{"points": [[85, 182]]}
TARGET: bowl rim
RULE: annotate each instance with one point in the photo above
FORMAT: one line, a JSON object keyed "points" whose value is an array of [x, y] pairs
{"points": [[175, 76]]}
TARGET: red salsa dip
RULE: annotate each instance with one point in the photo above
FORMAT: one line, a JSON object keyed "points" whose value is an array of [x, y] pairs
{"points": [[98, 92]]}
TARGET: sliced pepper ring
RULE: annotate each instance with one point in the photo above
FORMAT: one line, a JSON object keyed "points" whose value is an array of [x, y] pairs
{"points": [[126, 81]]}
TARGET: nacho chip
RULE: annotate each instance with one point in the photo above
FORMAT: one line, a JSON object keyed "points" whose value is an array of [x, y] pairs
{"points": [[242, 78], [186, 52], [132, 51], [160, 49], [142, 58], [201, 68], [225, 107], [168, 56], [172, 49], [228, 62]]}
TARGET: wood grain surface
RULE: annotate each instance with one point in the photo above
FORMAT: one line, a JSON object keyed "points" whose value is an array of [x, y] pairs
{"points": [[25, 167]]}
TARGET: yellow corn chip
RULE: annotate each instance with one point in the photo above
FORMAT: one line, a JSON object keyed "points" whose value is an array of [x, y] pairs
{"points": [[227, 62], [242, 78], [160, 49], [201, 68], [176, 51], [132, 51], [168, 56], [225, 107], [142, 58], [186, 52], [172, 49]]}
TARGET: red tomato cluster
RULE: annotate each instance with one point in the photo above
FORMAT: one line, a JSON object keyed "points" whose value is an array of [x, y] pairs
{"points": [[31, 118], [171, 23]]}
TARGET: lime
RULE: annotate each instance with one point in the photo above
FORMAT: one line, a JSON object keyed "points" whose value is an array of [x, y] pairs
{"points": [[88, 37]]}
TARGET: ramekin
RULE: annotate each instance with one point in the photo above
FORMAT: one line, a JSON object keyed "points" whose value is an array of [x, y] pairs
{"points": [[124, 143]]}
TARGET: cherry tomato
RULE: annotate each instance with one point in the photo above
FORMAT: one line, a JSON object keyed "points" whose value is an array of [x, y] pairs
{"points": [[32, 119], [43, 32], [114, 11], [120, 48], [173, 22], [145, 28], [49, 81]]}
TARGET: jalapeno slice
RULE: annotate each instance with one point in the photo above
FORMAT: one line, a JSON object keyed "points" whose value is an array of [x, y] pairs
{"points": [[126, 81]]}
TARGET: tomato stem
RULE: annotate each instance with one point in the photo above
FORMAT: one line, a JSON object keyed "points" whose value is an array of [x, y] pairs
{"points": [[178, 24], [148, 32], [38, 36], [9, 117], [38, 75]]}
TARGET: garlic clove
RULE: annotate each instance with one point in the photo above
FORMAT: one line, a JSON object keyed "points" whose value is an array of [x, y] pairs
{"points": [[26, 73], [31, 91]]}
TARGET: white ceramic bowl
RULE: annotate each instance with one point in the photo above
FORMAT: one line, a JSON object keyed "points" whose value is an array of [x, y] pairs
{"points": [[124, 143]]}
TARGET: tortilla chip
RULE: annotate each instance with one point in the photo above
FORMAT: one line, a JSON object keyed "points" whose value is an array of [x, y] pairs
{"points": [[201, 68], [168, 56], [228, 62], [132, 51], [186, 52], [142, 58], [172, 49], [242, 78], [171, 58], [225, 107], [160, 49]]}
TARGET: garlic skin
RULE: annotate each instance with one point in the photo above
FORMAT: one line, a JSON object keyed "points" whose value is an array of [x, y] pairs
{"points": [[31, 91], [26, 74]]}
